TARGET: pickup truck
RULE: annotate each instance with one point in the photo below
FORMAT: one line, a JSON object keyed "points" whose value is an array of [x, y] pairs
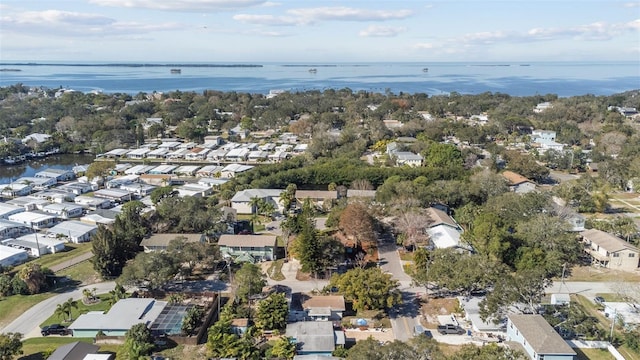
{"points": [[55, 329], [450, 329]]}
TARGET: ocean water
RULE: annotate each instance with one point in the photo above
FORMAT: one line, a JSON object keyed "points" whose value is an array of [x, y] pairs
{"points": [[517, 79]]}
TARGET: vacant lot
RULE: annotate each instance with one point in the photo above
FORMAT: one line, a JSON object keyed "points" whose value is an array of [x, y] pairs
{"points": [[434, 307], [592, 273]]}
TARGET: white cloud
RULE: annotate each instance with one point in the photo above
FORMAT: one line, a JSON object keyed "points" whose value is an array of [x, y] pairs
{"points": [[349, 14], [632, 4], [381, 31], [267, 20], [271, 4], [425, 46], [56, 22], [180, 5], [306, 16]]}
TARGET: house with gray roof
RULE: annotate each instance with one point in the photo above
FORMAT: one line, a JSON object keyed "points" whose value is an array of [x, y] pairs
{"points": [[254, 247], [533, 335], [610, 251], [242, 199], [160, 242], [77, 350], [75, 231], [315, 337]]}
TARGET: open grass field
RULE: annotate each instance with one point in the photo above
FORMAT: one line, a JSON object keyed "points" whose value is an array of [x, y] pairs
{"points": [[594, 354], [12, 306], [592, 273], [71, 251], [83, 273]]}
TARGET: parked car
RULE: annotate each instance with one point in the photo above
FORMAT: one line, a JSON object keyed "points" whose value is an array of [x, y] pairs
{"points": [[599, 300], [450, 329], [54, 329]]}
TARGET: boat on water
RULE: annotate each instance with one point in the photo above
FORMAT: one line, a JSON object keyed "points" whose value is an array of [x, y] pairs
{"points": [[425, 70], [176, 71], [313, 70]]}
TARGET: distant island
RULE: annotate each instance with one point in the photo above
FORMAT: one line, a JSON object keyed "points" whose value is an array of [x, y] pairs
{"points": [[137, 65], [6, 69]]}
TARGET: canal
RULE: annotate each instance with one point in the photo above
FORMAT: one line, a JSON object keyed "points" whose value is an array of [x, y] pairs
{"points": [[29, 168]]}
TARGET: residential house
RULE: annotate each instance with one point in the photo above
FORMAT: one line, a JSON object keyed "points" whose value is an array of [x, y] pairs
{"points": [[115, 153], [162, 169], [177, 154], [93, 203], [75, 231], [34, 220], [237, 154], [199, 153], [279, 156], [140, 153], [122, 180], [159, 153], [365, 194], [169, 145], [158, 179], [160, 242], [139, 169], [231, 170], [518, 183], [324, 308], [210, 171], [241, 201], [300, 148], [610, 251], [12, 256], [186, 170], [315, 337], [256, 247], [407, 158], [58, 174], [537, 339], [77, 188], [7, 210], [12, 229], [64, 210], [217, 154], [258, 156], [195, 190], [444, 231], [116, 195], [74, 351], [119, 319], [36, 137], [212, 182], [139, 189], [323, 199], [29, 203], [15, 189], [38, 183], [542, 107], [36, 245]]}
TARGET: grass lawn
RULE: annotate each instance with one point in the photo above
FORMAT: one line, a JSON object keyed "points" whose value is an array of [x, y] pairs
{"points": [[34, 349], [71, 251], [191, 352], [13, 306], [82, 309], [591, 273], [594, 354], [406, 256], [628, 353], [82, 272], [610, 297], [275, 270]]}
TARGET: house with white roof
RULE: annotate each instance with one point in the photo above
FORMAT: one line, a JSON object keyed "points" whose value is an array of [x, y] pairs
{"points": [[54, 195], [217, 154], [258, 156], [241, 200], [77, 188], [36, 244], [138, 153], [177, 154], [12, 229], [139, 189], [75, 231], [162, 169], [198, 153], [254, 247], [92, 203], [210, 171], [267, 147], [279, 156], [407, 158], [315, 337], [7, 210], [12, 256], [29, 203], [238, 154], [300, 148], [119, 319], [169, 145], [159, 153], [195, 190], [65, 210], [117, 195], [186, 170], [115, 153], [542, 107], [38, 183], [34, 220], [212, 182], [37, 137], [58, 174], [139, 169], [15, 189], [231, 170]]}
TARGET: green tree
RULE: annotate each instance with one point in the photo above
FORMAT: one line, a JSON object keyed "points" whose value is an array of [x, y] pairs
{"points": [[368, 289], [138, 343], [272, 312], [100, 169], [117, 294], [151, 269], [10, 346], [191, 320], [283, 348], [248, 280], [162, 192], [487, 352], [66, 309], [35, 277]]}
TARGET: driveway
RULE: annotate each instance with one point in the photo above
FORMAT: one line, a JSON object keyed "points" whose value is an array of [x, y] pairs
{"points": [[29, 322]]}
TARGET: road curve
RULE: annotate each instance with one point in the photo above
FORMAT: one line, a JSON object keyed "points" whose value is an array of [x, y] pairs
{"points": [[29, 322]]}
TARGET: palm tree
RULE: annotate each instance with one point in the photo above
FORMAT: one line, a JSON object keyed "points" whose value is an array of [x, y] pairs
{"points": [[66, 308], [117, 294], [255, 203], [87, 295]]}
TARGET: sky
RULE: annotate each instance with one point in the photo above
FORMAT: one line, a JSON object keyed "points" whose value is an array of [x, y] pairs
{"points": [[309, 31]]}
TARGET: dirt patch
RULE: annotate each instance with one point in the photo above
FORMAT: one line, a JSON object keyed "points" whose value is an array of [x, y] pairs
{"points": [[433, 307], [383, 336]]}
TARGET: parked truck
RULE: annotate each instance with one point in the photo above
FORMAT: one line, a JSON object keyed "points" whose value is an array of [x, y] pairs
{"points": [[450, 329]]}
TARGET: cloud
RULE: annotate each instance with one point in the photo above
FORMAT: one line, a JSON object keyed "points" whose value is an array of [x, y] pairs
{"points": [[267, 20], [631, 4], [271, 4], [382, 31], [307, 16], [56, 22], [181, 5]]}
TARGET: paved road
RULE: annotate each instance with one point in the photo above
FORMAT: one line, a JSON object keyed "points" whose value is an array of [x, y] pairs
{"points": [[71, 262], [588, 289], [29, 322]]}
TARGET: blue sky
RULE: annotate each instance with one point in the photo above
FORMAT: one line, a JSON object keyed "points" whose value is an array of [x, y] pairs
{"points": [[257, 31]]}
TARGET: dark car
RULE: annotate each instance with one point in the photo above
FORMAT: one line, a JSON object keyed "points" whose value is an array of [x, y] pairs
{"points": [[599, 300], [54, 329]]}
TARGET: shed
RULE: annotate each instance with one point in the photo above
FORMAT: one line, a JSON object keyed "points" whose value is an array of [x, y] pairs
{"points": [[560, 299]]}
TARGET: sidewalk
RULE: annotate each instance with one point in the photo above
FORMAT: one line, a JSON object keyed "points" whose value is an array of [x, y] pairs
{"points": [[73, 261]]}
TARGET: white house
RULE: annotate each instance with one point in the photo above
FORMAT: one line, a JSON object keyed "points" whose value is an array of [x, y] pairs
{"points": [[15, 189], [140, 153], [29, 203], [36, 245], [12, 229], [12, 256], [117, 195], [93, 203], [210, 171], [199, 153], [58, 174], [75, 231], [159, 153], [64, 210], [231, 170], [194, 190], [34, 220], [38, 183], [537, 338], [610, 251]]}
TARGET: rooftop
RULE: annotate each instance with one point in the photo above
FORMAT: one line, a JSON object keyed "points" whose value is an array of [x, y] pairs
{"points": [[122, 316], [165, 239], [247, 240], [514, 178], [540, 335], [607, 241]]}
